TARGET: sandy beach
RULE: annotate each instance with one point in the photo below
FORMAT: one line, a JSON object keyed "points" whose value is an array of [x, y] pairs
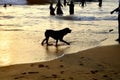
{"points": [[100, 63]]}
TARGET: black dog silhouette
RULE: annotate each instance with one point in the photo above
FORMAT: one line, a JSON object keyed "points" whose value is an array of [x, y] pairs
{"points": [[57, 35]]}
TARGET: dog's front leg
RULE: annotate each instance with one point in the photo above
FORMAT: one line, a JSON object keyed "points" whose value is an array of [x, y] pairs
{"points": [[56, 42], [65, 42], [47, 40]]}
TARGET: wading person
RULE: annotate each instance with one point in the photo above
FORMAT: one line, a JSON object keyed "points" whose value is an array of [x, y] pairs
{"points": [[117, 10], [71, 8], [58, 6], [100, 3], [82, 3], [51, 9], [65, 2]]}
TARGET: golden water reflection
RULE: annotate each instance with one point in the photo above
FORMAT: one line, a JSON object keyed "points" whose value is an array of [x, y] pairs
{"points": [[5, 50], [18, 47]]}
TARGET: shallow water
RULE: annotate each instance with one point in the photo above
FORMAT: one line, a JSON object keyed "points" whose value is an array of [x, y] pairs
{"points": [[22, 30]]}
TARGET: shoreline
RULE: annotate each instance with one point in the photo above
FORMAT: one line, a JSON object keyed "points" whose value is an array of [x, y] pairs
{"points": [[98, 63]]}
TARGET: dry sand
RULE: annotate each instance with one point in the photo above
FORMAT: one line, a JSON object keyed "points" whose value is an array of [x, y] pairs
{"points": [[101, 63]]}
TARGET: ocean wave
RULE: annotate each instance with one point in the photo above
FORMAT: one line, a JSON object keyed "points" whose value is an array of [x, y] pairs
{"points": [[11, 30], [7, 17], [86, 18]]}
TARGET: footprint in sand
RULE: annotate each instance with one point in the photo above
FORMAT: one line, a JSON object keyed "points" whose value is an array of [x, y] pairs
{"points": [[23, 73], [41, 66], [47, 67], [61, 66], [62, 72], [81, 64], [107, 77], [19, 77], [54, 76], [71, 78], [94, 71], [33, 72]]}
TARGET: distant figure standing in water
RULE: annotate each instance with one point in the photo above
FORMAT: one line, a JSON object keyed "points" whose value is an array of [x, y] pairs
{"points": [[100, 3], [82, 3], [118, 10], [51, 9], [65, 2], [5, 5], [71, 8], [58, 6], [10, 4]]}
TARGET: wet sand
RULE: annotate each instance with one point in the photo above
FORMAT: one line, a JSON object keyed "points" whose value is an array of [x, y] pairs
{"points": [[100, 63]]}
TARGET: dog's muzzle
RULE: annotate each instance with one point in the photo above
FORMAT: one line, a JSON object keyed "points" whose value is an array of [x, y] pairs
{"points": [[70, 31]]}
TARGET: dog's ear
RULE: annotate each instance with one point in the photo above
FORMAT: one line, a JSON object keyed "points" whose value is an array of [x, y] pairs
{"points": [[68, 30]]}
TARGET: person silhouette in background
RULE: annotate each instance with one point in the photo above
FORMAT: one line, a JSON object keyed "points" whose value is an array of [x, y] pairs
{"points": [[117, 10], [10, 4], [71, 8], [65, 2], [52, 10], [100, 3], [82, 3], [58, 6], [5, 5]]}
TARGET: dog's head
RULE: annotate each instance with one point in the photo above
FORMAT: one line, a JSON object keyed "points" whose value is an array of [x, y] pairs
{"points": [[67, 30]]}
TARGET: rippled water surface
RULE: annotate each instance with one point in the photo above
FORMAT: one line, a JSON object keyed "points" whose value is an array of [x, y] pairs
{"points": [[22, 29]]}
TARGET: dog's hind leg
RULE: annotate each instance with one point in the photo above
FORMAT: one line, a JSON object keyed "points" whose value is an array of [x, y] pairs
{"points": [[43, 41], [47, 40]]}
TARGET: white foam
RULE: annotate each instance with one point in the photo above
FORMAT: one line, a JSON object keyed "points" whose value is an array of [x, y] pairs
{"points": [[18, 2]]}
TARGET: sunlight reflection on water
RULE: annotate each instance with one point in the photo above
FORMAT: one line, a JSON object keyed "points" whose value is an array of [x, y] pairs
{"points": [[22, 30]]}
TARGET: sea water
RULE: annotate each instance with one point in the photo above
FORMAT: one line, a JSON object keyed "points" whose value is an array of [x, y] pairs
{"points": [[22, 30]]}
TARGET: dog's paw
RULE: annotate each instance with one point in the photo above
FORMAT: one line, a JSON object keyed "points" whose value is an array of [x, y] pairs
{"points": [[49, 44], [42, 44], [68, 43]]}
